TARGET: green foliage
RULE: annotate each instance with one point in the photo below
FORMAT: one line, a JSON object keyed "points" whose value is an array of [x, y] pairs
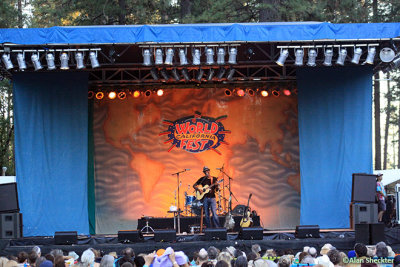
{"points": [[8, 14], [6, 127]]}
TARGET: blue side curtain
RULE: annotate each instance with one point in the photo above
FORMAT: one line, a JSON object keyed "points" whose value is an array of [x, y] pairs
{"points": [[51, 150], [335, 131]]}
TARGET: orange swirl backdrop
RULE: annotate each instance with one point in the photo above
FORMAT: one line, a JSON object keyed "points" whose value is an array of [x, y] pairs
{"points": [[133, 166]]}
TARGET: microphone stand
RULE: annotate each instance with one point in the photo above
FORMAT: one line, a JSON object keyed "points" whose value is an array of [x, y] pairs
{"points": [[229, 188], [179, 207]]}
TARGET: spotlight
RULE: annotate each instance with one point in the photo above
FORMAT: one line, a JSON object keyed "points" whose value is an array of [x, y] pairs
{"points": [[250, 53], [164, 74], [221, 57], [286, 92], [182, 57], [196, 54], [90, 95], [386, 54], [154, 74], [312, 56], [228, 92], [50, 61], [159, 56], [199, 75], [210, 74], [21, 61], [147, 93], [169, 57], [79, 61], [99, 95], [232, 55], [112, 95], [370, 56], [146, 57], [160, 92], [136, 93], [175, 74], [328, 57], [276, 93], [282, 58], [93, 60], [36, 62], [64, 61], [231, 72], [342, 56], [221, 73], [240, 92], [185, 74], [299, 54], [121, 95], [264, 93], [209, 56], [250, 92], [357, 55], [7, 61]]}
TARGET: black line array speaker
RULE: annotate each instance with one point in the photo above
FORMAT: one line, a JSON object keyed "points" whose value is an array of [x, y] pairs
{"points": [[165, 235], [65, 238], [362, 233], [10, 225], [251, 233], [307, 231], [377, 233], [129, 236], [215, 234]]}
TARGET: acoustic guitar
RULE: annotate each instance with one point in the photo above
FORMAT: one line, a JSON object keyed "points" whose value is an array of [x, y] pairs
{"points": [[247, 221], [203, 190]]}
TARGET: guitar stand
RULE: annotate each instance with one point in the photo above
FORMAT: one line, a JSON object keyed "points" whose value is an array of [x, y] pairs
{"points": [[147, 227]]}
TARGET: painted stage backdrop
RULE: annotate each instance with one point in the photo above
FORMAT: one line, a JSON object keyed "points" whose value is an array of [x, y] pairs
{"points": [[141, 142]]}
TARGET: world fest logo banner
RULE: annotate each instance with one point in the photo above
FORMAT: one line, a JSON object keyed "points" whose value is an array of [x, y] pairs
{"points": [[196, 133]]}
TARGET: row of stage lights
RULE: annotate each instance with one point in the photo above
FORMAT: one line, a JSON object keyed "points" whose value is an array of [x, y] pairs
{"points": [[160, 92], [64, 56]]}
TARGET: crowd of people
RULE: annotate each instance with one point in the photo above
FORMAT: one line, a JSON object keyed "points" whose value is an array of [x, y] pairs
{"points": [[327, 256]]}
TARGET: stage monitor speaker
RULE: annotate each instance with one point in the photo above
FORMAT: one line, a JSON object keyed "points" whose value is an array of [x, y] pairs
{"points": [[362, 233], [165, 235], [129, 236], [215, 234], [307, 231], [377, 233], [65, 238], [251, 233], [363, 188], [363, 213], [10, 225], [9, 198]]}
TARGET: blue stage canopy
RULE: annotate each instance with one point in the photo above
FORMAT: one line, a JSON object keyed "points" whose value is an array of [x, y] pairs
{"points": [[192, 33]]}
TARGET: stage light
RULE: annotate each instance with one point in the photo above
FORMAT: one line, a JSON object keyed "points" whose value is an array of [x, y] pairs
{"points": [[232, 55], [90, 94], [210, 74], [231, 72], [196, 54], [160, 92], [299, 54], [154, 74], [147, 93], [21, 61], [221, 73], [169, 57], [276, 93], [175, 74], [185, 74], [121, 95], [136, 93], [342, 56], [240, 92], [7, 61], [312, 56], [64, 61], [282, 57], [182, 57], [250, 92], [112, 95], [159, 56], [79, 61], [164, 74], [387, 54], [50, 61], [209, 56], [286, 92], [228, 92], [357, 55], [250, 53], [264, 93], [328, 57], [36, 62], [99, 95], [146, 57], [371, 55], [199, 75], [93, 60], [221, 57], [396, 62]]}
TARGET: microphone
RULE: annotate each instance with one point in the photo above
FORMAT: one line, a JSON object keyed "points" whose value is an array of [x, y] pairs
{"points": [[186, 170]]}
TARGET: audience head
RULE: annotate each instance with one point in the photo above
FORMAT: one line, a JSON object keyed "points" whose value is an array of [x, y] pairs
{"points": [[203, 256], [212, 253], [3, 261], [46, 263], [313, 252], [360, 249], [241, 261], [225, 256], [127, 264], [32, 257], [381, 250], [37, 250], [56, 252], [87, 257], [284, 261], [59, 261], [107, 261], [49, 257], [22, 257], [307, 260], [39, 261], [222, 264], [334, 256]]}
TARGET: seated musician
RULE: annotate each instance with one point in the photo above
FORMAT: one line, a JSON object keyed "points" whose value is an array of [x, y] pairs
{"points": [[208, 200]]}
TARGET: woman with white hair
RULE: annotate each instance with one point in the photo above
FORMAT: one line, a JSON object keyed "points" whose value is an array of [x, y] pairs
{"points": [[87, 258], [107, 261]]}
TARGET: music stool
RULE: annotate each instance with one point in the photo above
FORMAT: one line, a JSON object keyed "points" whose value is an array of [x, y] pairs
{"points": [[215, 234]]}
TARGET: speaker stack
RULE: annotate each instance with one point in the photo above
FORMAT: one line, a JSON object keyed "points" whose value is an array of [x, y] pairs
{"points": [[10, 218]]}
